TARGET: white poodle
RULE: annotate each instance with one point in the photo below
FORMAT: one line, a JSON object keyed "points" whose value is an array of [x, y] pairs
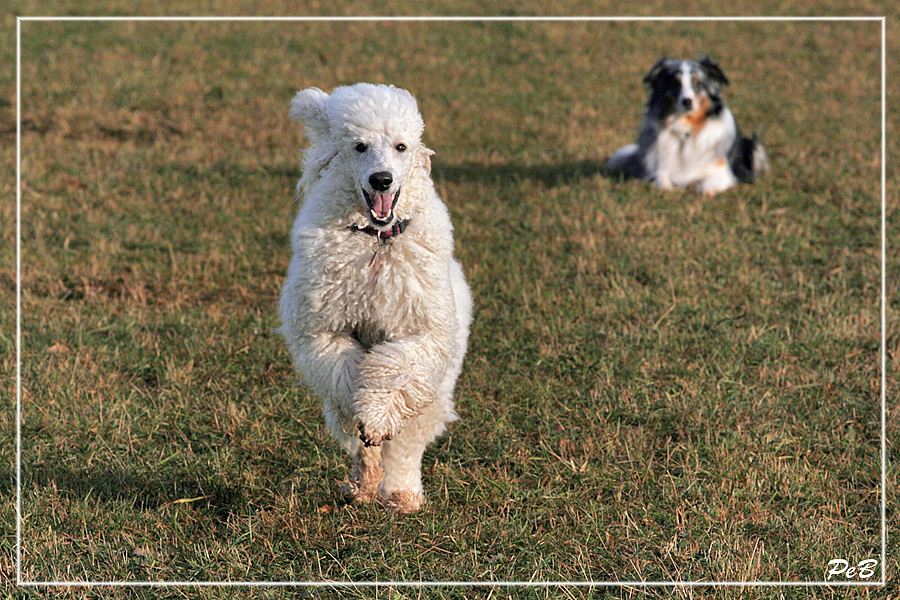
{"points": [[375, 309]]}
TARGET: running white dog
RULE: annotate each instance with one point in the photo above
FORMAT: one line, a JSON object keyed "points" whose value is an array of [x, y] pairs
{"points": [[375, 309]]}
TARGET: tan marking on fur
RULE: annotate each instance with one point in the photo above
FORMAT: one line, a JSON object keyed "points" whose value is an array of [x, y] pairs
{"points": [[720, 162], [697, 119], [366, 475], [404, 503]]}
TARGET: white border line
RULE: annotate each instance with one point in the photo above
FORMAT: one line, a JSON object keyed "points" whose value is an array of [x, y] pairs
{"points": [[423, 584], [18, 301], [459, 19], [432, 584], [883, 301]]}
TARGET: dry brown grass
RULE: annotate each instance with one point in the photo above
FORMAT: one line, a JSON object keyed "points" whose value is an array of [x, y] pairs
{"points": [[658, 387]]}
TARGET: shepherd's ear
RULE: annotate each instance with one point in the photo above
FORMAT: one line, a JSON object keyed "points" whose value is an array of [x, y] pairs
{"points": [[308, 107], [712, 70], [655, 70]]}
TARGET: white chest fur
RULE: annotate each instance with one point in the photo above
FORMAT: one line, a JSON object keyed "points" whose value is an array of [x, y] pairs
{"points": [[686, 155], [368, 286]]}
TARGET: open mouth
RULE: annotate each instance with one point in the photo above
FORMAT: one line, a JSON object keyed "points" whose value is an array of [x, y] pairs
{"points": [[381, 206]]}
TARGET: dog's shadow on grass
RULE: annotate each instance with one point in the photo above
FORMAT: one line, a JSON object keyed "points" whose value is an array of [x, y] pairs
{"points": [[550, 175], [143, 492]]}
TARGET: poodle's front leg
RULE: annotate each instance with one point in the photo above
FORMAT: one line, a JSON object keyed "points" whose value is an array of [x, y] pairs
{"points": [[366, 476], [328, 362], [396, 381]]}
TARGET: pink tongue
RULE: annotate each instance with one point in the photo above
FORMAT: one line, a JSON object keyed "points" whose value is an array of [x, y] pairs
{"points": [[382, 204]]}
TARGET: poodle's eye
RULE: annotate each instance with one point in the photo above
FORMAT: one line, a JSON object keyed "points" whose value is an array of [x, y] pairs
{"points": [[360, 147], [401, 147]]}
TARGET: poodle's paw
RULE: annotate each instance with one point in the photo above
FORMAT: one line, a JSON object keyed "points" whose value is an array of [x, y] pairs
{"points": [[403, 502], [371, 436], [362, 486], [381, 414], [354, 493]]}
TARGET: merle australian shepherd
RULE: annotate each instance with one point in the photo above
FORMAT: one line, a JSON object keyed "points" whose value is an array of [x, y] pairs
{"points": [[689, 137]]}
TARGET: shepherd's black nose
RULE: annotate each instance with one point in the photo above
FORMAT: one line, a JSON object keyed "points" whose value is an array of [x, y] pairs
{"points": [[687, 102], [380, 181]]}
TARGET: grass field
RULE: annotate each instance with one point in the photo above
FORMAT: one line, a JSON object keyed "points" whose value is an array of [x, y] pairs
{"points": [[659, 386]]}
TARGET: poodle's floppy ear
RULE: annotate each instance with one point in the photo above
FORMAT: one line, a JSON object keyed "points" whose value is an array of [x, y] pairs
{"points": [[424, 158], [308, 107]]}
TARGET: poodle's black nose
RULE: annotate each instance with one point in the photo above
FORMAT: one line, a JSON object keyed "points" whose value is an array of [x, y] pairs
{"points": [[380, 181]]}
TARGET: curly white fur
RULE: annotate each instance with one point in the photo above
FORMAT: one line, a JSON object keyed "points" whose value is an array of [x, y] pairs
{"points": [[377, 327]]}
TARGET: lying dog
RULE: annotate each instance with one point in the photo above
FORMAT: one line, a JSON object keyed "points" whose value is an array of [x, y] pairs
{"points": [[375, 309], [689, 137]]}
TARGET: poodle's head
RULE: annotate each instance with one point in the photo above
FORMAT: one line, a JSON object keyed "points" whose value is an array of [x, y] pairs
{"points": [[375, 134]]}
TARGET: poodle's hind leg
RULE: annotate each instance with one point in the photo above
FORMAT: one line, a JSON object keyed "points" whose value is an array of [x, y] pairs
{"points": [[366, 475]]}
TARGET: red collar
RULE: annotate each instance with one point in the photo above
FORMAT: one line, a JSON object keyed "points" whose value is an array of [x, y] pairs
{"points": [[398, 228]]}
